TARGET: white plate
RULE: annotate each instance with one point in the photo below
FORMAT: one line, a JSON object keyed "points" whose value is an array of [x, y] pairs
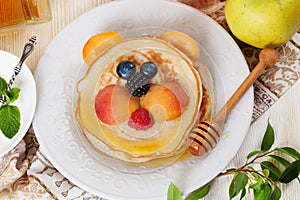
{"points": [[26, 101], [56, 79]]}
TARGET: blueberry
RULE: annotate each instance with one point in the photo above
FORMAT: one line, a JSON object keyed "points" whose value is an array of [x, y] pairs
{"points": [[126, 69], [149, 69]]}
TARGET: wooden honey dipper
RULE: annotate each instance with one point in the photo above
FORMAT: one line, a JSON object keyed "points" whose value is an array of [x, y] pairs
{"points": [[205, 135]]}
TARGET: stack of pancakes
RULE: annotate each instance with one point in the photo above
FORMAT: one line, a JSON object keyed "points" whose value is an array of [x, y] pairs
{"points": [[166, 138]]}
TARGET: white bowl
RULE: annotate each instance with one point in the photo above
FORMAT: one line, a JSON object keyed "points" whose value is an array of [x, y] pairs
{"points": [[26, 101]]}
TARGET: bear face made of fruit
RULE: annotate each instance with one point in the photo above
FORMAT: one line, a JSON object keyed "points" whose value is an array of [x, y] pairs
{"points": [[139, 98]]}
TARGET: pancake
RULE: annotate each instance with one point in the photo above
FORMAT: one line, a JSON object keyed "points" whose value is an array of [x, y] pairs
{"points": [[165, 138]]}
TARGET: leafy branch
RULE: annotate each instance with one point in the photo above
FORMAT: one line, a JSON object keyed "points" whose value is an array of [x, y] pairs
{"points": [[261, 174], [9, 114]]}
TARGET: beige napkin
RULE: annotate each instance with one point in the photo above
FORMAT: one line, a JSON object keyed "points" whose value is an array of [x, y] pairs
{"points": [[25, 173]]}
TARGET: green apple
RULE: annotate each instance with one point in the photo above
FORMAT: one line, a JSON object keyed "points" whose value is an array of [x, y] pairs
{"points": [[263, 23]]}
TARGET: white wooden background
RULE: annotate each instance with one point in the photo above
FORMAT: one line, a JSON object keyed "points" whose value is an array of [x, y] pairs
{"points": [[284, 115]]}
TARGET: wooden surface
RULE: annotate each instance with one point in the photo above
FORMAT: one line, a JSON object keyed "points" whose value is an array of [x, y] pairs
{"points": [[284, 115]]}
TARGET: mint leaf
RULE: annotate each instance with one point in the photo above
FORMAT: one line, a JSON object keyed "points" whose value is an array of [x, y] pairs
{"points": [[9, 120], [173, 192], [12, 95], [3, 85]]}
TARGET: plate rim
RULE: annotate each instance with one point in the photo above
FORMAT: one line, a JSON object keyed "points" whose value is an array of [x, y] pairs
{"points": [[74, 21]]}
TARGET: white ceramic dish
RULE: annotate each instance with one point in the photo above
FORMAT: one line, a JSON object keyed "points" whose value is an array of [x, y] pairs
{"points": [[56, 78], [26, 101]]}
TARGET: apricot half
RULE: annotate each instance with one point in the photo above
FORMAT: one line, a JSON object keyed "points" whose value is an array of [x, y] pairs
{"points": [[183, 42], [165, 103], [97, 44]]}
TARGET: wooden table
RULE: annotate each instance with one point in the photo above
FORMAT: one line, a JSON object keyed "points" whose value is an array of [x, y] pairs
{"points": [[284, 115]]}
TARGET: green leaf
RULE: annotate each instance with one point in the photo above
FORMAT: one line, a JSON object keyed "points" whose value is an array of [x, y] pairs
{"points": [[199, 193], [291, 172], [268, 139], [257, 185], [263, 193], [173, 192], [243, 193], [253, 153], [237, 184], [9, 120], [256, 176], [289, 151], [231, 170], [12, 95], [281, 160], [266, 172], [274, 171], [276, 194], [3, 85]]}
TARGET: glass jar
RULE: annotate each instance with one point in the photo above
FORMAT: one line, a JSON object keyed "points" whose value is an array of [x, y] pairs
{"points": [[16, 13]]}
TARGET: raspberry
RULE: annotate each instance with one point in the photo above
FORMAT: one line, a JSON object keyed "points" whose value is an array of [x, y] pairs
{"points": [[140, 119]]}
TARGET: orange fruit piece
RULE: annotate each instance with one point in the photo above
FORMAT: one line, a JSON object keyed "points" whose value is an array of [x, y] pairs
{"points": [[183, 42], [98, 43], [165, 102]]}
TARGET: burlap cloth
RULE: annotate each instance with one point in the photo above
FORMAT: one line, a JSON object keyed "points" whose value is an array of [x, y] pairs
{"points": [[25, 173]]}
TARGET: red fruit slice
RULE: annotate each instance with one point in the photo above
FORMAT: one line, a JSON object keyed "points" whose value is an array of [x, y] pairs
{"points": [[114, 104], [140, 119]]}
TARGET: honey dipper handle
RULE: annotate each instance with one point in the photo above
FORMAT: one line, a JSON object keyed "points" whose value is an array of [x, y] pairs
{"points": [[267, 57]]}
